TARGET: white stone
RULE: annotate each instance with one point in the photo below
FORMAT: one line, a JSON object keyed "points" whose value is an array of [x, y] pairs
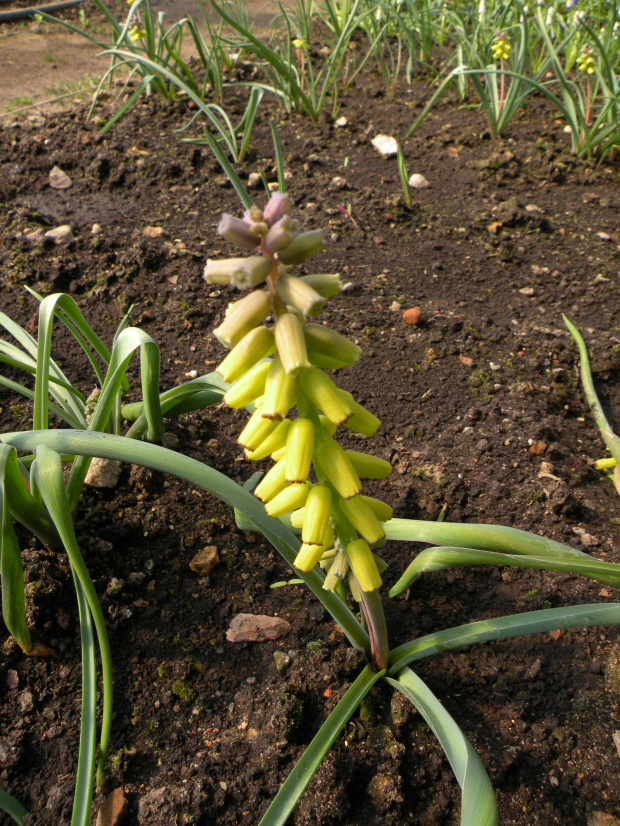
{"points": [[254, 180], [103, 473], [154, 232], [385, 145], [60, 235], [342, 121], [59, 179], [96, 229], [417, 181]]}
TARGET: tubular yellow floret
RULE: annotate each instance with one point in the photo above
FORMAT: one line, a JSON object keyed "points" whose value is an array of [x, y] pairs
{"points": [[291, 344], [243, 316], [272, 483], [329, 343], [256, 345], [272, 443], [328, 428], [364, 566], [291, 498], [382, 510], [297, 518], [322, 391], [316, 514], [363, 519], [338, 469], [249, 387], [279, 391], [304, 246], [299, 450], [309, 555], [362, 421], [278, 454], [368, 466], [243, 273], [326, 284], [256, 430], [299, 294]]}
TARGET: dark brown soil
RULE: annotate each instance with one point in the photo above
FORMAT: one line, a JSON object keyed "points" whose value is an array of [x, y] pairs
{"points": [[472, 400]]}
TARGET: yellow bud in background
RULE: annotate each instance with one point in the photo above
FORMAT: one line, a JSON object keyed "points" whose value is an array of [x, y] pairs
{"points": [[299, 450], [304, 246], [291, 498], [337, 571], [278, 454], [316, 514], [363, 519], [253, 347], [328, 428], [279, 391], [299, 294], [362, 421], [382, 510], [297, 518], [272, 483], [243, 316], [323, 393], [329, 343], [273, 442], [368, 466], [291, 344], [338, 469], [326, 284], [364, 566], [256, 430], [249, 387]]}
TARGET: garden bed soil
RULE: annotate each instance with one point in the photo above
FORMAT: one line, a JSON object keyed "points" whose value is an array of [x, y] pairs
{"points": [[482, 412]]}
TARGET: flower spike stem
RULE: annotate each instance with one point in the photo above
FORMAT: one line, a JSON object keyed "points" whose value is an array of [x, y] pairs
{"points": [[377, 629]]}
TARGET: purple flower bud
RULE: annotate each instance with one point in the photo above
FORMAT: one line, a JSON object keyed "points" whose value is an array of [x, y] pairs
{"points": [[282, 233], [238, 231], [279, 205]]}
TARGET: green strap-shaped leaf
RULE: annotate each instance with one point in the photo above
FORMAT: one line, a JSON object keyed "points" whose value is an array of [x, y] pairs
{"points": [[12, 807], [125, 346], [609, 437], [438, 559], [478, 807], [484, 537], [11, 569], [47, 469], [89, 443], [295, 784], [499, 628]]}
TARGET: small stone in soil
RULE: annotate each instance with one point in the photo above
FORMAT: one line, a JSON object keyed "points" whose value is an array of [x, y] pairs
{"points": [[59, 179], [412, 316], [205, 560], [113, 808], [256, 628], [61, 236], [385, 145], [154, 232], [103, 473], [417, 181]]}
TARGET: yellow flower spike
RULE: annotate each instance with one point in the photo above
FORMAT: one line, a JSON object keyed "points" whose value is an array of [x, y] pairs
{"points": [[249, 387], [256, 430], [362, 421], [329, 343], [363, 519], [308, 557], [356, 591], [328, 428], [243, 316], [323, 393], [368, 466], [338, 469], [290, 499], [243, 273], [297, 518], [291, 344], [256, 345], [337, 571], [586, 62], [279, 391], [272, 483], [272, 443], [364, 566], [317, 512], [299, 294], [327, 284], [605, 464], [299, 450], [382, 510]]}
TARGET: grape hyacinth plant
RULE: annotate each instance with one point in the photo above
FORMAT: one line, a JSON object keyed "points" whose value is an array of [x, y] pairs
{"points": [[339, 524]]}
